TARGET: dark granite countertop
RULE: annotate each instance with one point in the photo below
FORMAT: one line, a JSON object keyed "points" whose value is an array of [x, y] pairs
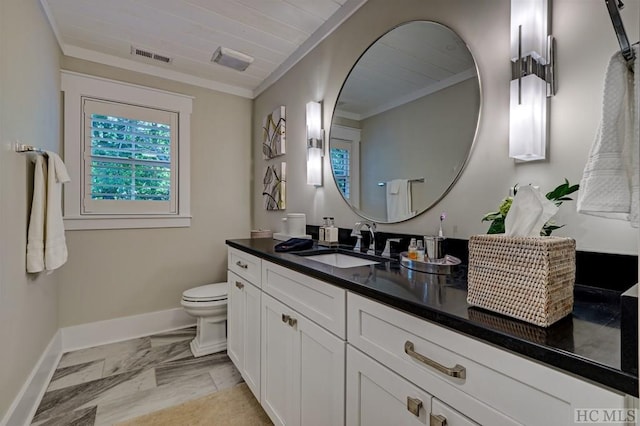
{"points": [[586, 343]]}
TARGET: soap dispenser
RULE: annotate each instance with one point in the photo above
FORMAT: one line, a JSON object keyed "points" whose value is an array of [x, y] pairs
{"points": [[413, 250], [331, 232], [322, 232]]}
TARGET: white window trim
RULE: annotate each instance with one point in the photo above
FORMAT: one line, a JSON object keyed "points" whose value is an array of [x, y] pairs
{"points": [[75, 85]]}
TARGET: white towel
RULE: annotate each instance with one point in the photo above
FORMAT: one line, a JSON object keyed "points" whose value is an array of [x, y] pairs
{"points": [[611, 179], [55, 246], [35, 235], [46, 244], [398, 200]]}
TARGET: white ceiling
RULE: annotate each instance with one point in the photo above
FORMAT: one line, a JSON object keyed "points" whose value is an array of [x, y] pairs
{"points": [[407, 63], [277, 33]]}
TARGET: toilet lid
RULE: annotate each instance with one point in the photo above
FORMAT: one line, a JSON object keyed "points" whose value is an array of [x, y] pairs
{"points": [[207, 292]]}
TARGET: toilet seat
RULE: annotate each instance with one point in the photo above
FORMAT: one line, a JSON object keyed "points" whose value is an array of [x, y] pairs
{"points": [[206, 293]]}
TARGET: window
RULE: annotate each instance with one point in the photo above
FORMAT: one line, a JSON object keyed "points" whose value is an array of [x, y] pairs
{"points": [[127, 151]]}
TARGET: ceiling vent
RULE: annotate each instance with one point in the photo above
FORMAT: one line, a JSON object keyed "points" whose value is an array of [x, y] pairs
{"points": [[231, 58], [136, 51]]}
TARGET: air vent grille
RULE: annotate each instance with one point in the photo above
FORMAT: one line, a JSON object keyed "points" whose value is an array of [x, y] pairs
{"points": [[136, 51]]}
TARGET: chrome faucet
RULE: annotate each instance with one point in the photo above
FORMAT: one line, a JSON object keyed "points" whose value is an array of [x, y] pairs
{"points": [[371, 227]]}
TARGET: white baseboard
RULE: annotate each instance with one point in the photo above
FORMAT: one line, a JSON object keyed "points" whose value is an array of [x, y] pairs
{"points": [[25, 404], [124, 328], [85, 336]]}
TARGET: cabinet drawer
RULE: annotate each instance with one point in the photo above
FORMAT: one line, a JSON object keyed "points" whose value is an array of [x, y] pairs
{"points": [[245, 265], [517, 390], [323, 303], [442, 414], [376, 396]]}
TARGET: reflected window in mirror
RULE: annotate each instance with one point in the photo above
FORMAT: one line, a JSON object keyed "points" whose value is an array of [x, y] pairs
{"points": [[340, 158], [344, 150]]}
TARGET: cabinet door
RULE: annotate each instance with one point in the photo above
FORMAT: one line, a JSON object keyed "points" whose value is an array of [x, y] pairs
{"points": [[235, 315], [303, 369], [243, 329], [319, 369], [277, 349], [251, 333], [376, 396]]}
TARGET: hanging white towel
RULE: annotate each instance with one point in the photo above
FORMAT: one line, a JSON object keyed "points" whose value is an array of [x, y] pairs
{"points": [[55, 246], [611, 179], [398, 200], [35, 235]]}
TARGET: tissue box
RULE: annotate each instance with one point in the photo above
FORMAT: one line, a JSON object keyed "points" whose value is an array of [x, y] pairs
{"points": [[528, 278]]}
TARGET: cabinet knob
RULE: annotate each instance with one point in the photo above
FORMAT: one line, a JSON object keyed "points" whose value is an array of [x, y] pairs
{"points": [[457, 370], [239, 285], [242, 265], [437, 420], [414, 405], [285, 318]]}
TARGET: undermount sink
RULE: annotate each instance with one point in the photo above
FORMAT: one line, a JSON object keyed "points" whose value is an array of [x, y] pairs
{"points": [[341, 260]]}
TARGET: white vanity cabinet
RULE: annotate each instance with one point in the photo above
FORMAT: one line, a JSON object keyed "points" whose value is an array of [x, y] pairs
{"points": [[243, 316], [315, 354]]}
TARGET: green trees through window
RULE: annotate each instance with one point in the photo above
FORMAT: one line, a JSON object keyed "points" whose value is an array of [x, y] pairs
{"points": [[130, 159]]}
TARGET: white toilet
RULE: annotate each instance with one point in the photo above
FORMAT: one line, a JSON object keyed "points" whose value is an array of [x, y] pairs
{"points": [[208, 303]]}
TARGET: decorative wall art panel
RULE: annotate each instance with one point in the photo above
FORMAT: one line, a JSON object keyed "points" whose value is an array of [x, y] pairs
{"points": [[274, 186], [273, 134]]}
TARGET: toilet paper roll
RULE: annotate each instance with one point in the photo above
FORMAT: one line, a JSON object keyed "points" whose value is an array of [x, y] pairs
{"points": [[297, 223]]}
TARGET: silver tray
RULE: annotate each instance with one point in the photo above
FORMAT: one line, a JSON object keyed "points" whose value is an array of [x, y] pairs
{"points": [[438, 266]]}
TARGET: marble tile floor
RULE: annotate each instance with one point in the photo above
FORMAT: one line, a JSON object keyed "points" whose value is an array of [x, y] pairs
{"points": [[107, 384]]}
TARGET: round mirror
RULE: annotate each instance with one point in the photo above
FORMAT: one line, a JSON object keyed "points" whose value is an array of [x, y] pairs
{"points": [[404, 122]]}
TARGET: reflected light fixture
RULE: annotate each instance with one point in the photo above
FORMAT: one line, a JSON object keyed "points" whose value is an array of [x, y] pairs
{"points": [[315, 145], [532, 79]]}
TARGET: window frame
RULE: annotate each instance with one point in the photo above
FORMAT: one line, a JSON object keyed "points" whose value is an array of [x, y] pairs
{"points": [[76, 88]]}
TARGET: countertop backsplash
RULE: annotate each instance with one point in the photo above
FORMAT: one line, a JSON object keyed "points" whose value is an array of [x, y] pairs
{"points": [[617, 272]]}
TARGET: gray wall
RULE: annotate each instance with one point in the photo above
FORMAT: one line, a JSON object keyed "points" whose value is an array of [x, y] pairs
{"points": [[116, 273], [429, 137], [30, 112], [585, 41]]}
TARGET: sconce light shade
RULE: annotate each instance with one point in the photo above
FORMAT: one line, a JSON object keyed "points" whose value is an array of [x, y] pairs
{"points": [[314, 166], [532, 79], [315, 146]]}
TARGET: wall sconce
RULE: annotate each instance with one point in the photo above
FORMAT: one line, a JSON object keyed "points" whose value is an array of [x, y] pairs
{"points": [[532, 79], [315, 145]]}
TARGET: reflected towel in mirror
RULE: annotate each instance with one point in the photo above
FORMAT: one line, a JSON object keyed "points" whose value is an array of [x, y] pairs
{"points": [[398, 200]]}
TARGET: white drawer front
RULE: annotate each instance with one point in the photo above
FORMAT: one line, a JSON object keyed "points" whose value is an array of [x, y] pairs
{"points": [[442, 414], [323, 303], [376, 396], [523, 390], [245, 265]]}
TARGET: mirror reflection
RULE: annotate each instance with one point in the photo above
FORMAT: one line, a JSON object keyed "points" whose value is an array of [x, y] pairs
{"points": [[404, 122]]}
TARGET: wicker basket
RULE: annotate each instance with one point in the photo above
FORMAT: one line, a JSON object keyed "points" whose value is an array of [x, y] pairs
{"points": [[528, 278]]}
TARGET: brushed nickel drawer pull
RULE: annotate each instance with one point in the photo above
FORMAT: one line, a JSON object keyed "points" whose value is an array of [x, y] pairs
{"points": [[292, 322], [457, 371], [414, 405], [437, 420], [242, 265], [239, 285], [286, 318]]}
